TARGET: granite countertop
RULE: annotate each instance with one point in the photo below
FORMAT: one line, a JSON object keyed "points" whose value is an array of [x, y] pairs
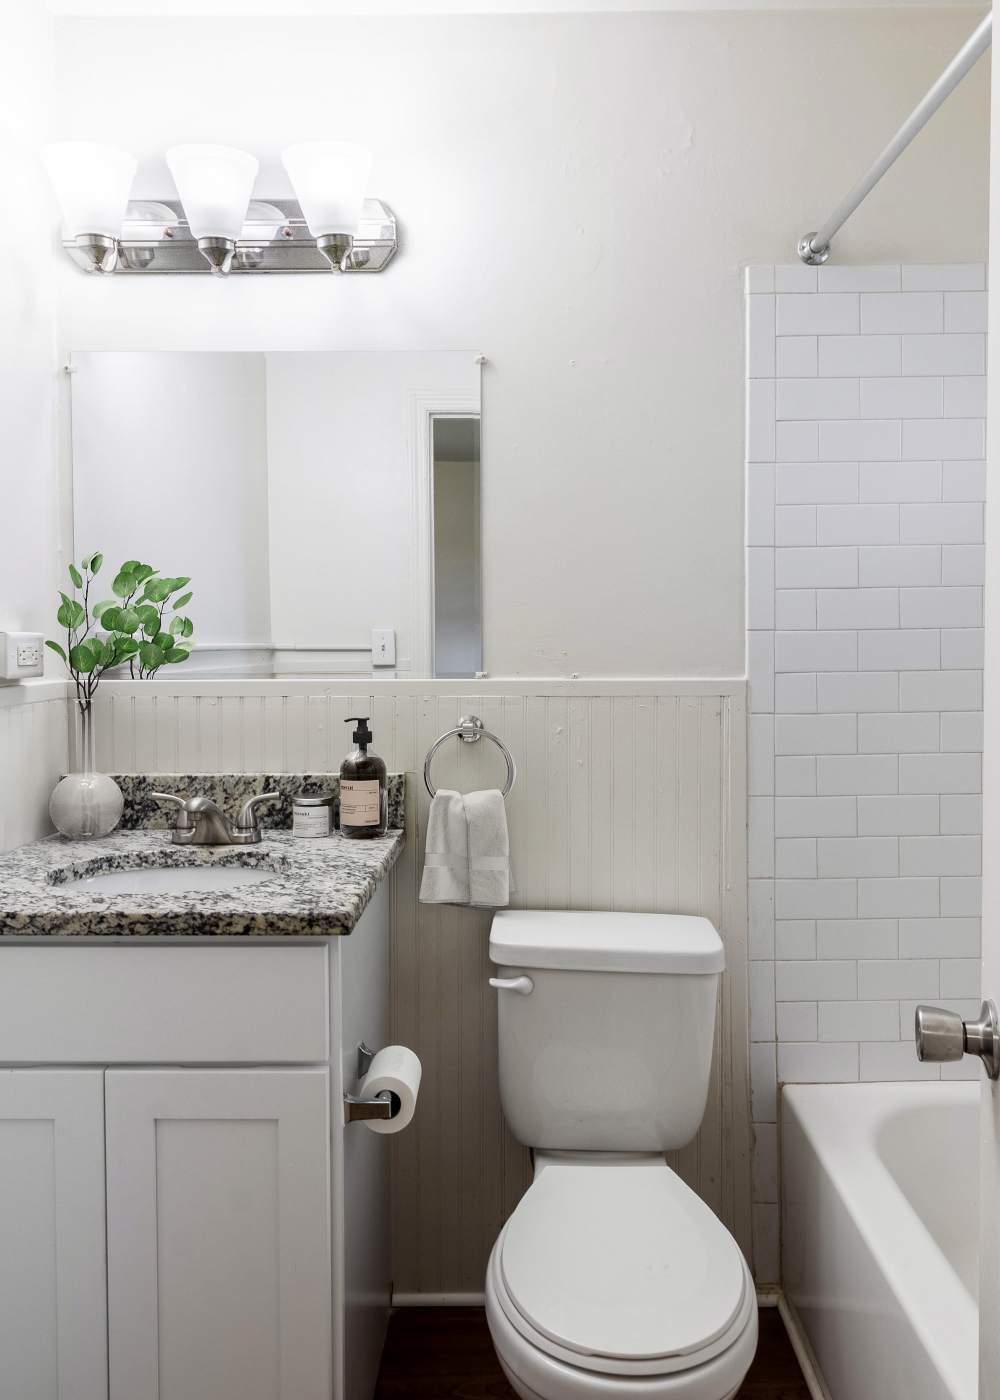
{"points": [[320, 887]]}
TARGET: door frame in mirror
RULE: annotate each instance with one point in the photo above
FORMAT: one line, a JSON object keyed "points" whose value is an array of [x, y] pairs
{"points": [[425, 408]]}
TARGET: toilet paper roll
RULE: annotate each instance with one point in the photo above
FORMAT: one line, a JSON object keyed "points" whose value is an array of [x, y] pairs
{"points": [[397, 1069]]}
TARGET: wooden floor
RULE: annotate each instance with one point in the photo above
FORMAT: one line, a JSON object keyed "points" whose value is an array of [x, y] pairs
{"points": [[446, 1354]]}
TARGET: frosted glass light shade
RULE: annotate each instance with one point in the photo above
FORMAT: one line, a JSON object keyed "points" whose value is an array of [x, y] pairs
{"points": [[92, 184], [215, 184], [329, 179]]}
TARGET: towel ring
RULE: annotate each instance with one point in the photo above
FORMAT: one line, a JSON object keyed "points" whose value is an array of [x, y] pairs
{"points": [[470, 730]]}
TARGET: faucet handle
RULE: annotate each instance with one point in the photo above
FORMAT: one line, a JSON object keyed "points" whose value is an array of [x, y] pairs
{"points": [[191, 805], [248, 819], [188, 812], [169, 797], [183, 820]]}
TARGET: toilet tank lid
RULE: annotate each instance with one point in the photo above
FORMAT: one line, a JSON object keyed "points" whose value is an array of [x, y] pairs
{"points": [[605, 942]]}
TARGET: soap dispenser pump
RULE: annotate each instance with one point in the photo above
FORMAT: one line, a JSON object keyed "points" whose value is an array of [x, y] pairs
{"points": [[364, 801]]}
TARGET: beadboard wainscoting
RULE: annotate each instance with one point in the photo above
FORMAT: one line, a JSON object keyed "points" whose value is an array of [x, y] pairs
{"points": [[34, 730], [866, 403], [630, 795]]}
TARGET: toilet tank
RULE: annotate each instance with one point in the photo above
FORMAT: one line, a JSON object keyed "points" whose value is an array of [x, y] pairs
{"points": [[606, 1036]]}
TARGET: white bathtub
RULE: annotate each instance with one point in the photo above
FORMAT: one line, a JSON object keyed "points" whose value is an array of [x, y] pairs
{"points": [[879, 1235]]}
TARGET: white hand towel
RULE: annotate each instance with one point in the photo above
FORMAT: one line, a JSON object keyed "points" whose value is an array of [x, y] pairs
{"points": [[446, 857], [489, 850]]}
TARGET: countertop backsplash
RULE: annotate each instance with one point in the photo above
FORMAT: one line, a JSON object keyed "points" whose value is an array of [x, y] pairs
{"points": [[231, 790]]}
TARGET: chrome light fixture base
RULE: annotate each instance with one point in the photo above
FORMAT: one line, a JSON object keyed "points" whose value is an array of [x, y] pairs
{"points": [[95, 252], [156, 239], [337, 249], [218, 253]]}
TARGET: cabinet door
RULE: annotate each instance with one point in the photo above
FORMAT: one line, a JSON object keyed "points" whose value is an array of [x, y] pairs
{"points": [[219, 1234], [53, 1318]]}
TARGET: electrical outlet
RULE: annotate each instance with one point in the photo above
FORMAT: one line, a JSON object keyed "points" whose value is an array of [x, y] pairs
{"points": [[383, 646], [20, 655]]}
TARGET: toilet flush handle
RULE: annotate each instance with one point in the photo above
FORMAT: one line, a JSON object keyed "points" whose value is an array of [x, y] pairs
{"points": [[522, 985]]}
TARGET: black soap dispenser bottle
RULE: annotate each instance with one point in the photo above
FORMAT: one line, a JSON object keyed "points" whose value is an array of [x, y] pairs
{"points": [[364, 800]]}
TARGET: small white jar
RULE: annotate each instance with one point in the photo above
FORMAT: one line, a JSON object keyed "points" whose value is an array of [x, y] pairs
{"points": [[312, 815]]}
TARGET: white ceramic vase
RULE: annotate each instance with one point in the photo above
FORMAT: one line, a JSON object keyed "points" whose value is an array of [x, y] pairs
{"points": [[86, 804]]}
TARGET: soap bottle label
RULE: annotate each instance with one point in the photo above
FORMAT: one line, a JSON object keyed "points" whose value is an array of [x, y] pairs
{"points": [[359, 802]]}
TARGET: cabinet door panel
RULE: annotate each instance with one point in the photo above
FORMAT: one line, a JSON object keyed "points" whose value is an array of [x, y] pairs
{"points": [[218, 1234], [53, 1319]]}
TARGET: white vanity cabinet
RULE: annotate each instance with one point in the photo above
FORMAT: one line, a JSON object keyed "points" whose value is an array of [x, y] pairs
{"points": [[183, 1213], [219, 1262], [53, 1318]]}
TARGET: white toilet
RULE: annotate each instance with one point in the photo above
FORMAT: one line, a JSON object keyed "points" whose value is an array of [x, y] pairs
{"points": [[612, 1279]]}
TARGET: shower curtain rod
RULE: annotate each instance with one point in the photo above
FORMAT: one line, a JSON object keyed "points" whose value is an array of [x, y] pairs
{"points": [[814, 248]]}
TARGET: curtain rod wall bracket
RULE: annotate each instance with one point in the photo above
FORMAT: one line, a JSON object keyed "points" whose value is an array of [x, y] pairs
{"points": [[810, 254]]}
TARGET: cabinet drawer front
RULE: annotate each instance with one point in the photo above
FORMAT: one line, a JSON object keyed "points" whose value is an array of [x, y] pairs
{"points": [[149, 1004]]}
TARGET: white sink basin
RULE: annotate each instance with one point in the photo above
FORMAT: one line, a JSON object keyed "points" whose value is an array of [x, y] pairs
{"points": [[174, 879]]}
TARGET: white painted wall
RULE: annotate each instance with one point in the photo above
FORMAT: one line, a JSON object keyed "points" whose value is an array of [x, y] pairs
{"points": [[457, 571], [32, 717], [577, 196], [170, 467], [28, 503], [342, 508]]}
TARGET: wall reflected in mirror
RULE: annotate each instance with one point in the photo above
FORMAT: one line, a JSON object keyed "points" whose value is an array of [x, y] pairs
{"points": [[312, 498], [458, 637]]}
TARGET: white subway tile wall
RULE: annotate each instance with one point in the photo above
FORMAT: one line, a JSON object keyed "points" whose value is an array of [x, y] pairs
{"points": [[865, 491]]}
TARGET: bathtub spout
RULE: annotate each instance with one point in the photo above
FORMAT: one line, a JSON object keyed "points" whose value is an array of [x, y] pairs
{"points": [[942, 1036]]}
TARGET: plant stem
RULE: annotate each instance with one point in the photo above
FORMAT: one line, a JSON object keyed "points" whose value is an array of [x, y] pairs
{"points": [[86, 610]]}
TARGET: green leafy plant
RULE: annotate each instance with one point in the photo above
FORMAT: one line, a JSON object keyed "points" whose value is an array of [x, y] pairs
{"points": [[142, 624]]}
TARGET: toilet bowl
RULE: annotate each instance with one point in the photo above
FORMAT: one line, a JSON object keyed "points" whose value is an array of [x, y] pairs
{"points": [[612, 1279]]}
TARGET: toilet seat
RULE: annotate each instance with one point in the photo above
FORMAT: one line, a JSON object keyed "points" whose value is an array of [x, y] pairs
{"points": [[614, 1266], [535, 1374]]}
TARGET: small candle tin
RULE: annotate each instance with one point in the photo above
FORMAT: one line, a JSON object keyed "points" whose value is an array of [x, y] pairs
{"points": [[312, 814]]}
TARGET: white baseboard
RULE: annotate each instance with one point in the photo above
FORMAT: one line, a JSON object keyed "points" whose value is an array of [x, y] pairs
{"points": [[803, 1350], [438, 1300]]}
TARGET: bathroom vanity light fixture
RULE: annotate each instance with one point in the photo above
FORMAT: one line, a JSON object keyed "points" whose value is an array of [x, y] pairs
{"points": [[215, 184], [329, 178], [92, 184], [215, 226]]}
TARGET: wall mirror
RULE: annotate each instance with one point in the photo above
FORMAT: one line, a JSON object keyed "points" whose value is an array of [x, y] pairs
{"points": [[325, 506]]}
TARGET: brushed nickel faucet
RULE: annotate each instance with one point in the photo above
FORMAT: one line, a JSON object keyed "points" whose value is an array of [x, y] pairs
{"points": [[202, 822]]}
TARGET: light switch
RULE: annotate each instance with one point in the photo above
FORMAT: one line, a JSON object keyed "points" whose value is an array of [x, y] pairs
{"points": [[383, 646]]}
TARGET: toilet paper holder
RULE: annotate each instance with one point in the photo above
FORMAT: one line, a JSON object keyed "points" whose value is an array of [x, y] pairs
{"points": [[384, 1105]]}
